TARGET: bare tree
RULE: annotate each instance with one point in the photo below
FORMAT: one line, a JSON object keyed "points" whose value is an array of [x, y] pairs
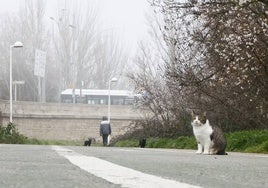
{"points": [[111, 59], [73, 40], [27, 27], [86, 54], [167, 118], [77, 49], [230, 75], [214, 60]]}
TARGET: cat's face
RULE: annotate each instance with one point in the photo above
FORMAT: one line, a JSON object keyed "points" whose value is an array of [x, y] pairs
{"points": [[198, 120]]}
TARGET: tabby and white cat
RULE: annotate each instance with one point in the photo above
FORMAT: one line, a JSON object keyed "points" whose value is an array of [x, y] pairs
{"points": [[210, 140]]}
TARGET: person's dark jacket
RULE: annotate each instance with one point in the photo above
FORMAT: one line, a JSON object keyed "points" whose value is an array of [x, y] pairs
{"points": [[105, 128]]}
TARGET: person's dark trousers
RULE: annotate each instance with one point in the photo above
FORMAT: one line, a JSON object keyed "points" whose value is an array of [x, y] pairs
{"points": [[105, 139]]}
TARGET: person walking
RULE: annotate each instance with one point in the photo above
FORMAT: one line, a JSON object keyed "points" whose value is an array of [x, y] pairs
{"points": [[105, 130]]}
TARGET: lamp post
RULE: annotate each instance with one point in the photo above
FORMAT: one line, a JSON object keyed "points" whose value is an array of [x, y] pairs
{"points": [[15, 45], [109, 97]]}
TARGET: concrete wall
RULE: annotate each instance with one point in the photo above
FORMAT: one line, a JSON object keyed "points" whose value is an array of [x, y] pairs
{"points": [[57, 121]]}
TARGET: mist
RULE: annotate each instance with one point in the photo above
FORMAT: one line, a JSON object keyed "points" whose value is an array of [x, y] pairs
{"points": [[85, 44]]}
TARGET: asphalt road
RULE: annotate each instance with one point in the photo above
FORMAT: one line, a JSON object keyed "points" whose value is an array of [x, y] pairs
{"points": [[50, 166]]}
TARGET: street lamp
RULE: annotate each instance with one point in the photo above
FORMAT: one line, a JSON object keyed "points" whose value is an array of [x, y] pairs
{"points": [[15, 45], [109, 97]]}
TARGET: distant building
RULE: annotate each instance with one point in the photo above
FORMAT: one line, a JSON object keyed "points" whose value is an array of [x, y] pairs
{"points": [[100, 97]]}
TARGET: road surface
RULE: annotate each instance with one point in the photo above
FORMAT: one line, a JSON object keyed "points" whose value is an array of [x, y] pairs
{"points": [[27, 166]]}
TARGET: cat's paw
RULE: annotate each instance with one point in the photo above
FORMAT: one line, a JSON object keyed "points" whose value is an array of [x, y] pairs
{"points": [[198, 152], [212, 152], [206, 153]]}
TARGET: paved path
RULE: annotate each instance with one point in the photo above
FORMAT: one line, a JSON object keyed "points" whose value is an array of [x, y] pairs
{"points": [[57, 166]]}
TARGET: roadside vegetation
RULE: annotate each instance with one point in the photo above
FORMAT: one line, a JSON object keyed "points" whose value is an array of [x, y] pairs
{"points": [[252, 141], [255, 141], [10, 135]]}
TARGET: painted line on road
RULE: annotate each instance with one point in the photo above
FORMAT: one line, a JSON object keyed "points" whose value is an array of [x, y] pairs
{"points": [[126, 177]]}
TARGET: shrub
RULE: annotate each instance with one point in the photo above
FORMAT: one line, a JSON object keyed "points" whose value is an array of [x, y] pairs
{"points": [[248, 141], [10, 135], [255, 141], [128, 143]]}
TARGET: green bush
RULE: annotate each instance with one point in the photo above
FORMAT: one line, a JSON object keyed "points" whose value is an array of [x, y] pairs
{"points": [[255, 141], [182, 142], [248, 141], [128, 143], [10, 135]]}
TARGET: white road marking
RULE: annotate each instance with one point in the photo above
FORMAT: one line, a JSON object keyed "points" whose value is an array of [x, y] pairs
{"points": [[117, 174]]}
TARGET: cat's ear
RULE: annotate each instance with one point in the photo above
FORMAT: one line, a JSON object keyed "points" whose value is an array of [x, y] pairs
{"points": [[192, 113], [205, 114]]}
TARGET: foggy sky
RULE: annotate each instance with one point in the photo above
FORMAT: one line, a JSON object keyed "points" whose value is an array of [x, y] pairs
{"points": [[127, 18]]}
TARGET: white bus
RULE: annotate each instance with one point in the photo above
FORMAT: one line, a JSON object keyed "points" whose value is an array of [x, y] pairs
{"points": [[100, 97]]}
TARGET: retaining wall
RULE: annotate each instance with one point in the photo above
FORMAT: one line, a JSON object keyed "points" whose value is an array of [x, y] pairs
{"points": [[57, 121]]}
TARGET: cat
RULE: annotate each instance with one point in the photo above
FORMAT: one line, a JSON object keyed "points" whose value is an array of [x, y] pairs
{"points": [[142, 142], [88, 142], [210, 139]]}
